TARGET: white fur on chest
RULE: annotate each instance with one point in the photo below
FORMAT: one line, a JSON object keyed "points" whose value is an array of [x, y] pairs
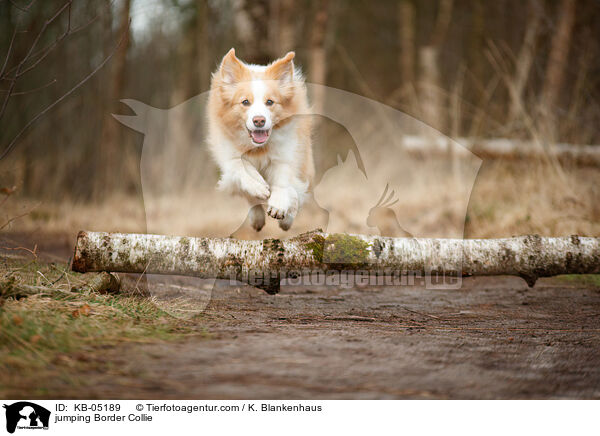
{"points": [[282, 148]]}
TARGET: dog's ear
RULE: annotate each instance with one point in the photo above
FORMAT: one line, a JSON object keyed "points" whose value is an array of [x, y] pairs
{"points": [[231, 69], [282, 69]]}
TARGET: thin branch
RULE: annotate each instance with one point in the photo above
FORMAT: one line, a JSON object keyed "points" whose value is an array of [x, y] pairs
{"points": [[44, 277], [68, 93], [18, 216], [419, 313], [43, 29], [64, 272], [140, 278], [35, 89], [33, 252], [49, 48], [7, 192], [9, 52], [29, 52], [22, 8]]}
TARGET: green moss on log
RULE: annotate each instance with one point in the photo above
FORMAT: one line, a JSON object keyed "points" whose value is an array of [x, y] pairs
{"points": [[345, 249], [315, 246], [339, 249]]}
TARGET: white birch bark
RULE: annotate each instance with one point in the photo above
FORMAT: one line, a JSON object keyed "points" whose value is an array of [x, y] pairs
{"points": [[508, 149], [529, 257]]}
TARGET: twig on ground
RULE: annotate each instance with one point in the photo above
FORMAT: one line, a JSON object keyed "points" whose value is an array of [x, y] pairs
{"points": [[420, 313], [140, 278], [10, 220], [64, 272], [32, 252], [45, 278]]}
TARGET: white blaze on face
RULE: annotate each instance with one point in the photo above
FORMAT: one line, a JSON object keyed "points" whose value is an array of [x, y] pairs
{"points": [[258, 108]]}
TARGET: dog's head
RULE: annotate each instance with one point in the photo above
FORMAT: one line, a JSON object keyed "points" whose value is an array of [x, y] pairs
{"points": [[253, 100]]}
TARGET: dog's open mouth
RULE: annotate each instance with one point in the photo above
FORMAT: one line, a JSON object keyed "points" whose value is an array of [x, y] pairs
{"points": [[259, 137]]}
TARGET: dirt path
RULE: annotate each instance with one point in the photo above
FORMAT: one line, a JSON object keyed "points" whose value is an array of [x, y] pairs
{"points": [[494, 338]]}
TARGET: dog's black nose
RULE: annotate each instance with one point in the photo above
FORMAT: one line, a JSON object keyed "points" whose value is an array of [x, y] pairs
{"points": [[259, 121]]}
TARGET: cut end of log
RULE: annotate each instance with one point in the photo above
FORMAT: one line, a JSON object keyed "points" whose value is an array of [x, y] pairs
{"points": [[78, 264]]}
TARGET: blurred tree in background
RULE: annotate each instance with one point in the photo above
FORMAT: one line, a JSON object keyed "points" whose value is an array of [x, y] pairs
{"points": [[509, 68]]}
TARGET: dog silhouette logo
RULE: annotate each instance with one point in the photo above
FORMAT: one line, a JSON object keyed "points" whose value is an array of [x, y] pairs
{"points": [[383, 183], [26, 415]]}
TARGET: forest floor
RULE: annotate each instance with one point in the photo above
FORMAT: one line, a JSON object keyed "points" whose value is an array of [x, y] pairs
{"points": [[493, 338]]}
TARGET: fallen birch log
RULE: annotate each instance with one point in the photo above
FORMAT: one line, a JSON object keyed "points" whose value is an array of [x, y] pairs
{"points": [[508, 149], [529, 257]]}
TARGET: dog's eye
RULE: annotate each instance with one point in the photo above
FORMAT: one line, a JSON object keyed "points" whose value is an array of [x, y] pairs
{"points": [[270, 102], [246, 102]]}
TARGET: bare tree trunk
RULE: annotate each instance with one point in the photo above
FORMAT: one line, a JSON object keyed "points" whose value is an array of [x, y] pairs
{"points": [[111, 150], [559, 54], [524, 62], [430, 93], [318, 53], [406, 36], [430, 90], [529, 257], [456, 99], [442, 23], [202, 45], [251, 27], [477, 40], [282, 27]]}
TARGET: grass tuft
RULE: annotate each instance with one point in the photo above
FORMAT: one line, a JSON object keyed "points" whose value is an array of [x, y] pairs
{"points": [[581, 279], [40, 334]]}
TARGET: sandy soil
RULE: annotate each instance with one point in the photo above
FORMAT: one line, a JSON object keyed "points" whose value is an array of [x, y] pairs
{"points": [[495, 338]]}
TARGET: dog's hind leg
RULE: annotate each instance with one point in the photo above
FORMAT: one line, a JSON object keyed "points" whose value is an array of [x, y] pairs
{"points": [[257, 217], [286, 223]]}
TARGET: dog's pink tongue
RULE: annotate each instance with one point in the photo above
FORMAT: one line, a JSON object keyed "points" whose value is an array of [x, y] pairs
{"points": [[259, 136]]}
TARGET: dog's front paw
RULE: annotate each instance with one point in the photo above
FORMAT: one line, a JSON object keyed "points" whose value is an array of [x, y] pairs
{"points": [[254, 188], [282, 203]]}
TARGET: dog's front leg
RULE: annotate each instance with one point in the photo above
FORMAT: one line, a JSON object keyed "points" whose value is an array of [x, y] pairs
{"points": [[240, 176], [283, 202]]}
